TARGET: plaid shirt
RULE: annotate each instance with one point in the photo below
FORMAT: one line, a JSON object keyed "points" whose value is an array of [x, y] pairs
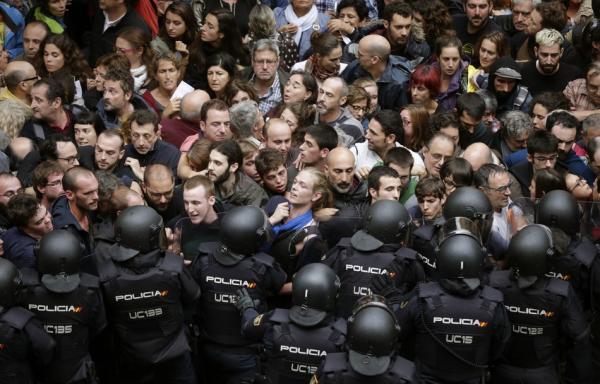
{"points": [[272, 98], [576, 92], [330, 7]]}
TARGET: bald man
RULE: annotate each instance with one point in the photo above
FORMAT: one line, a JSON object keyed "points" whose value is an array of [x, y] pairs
{"points": [[19, 77], [332, 97], [160, 192], [278, 135], [347, 188], [175, 129], [390, 72]]}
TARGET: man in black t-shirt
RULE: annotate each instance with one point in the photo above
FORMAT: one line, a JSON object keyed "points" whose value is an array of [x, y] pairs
{"points": [[547, 73], [476, 23]]}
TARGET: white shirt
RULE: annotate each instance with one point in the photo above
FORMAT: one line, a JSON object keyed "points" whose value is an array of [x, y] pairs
{"points": [[367, 158]]}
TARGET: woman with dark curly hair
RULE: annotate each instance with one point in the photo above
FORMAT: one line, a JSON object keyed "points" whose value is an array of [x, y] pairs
{"points": [[434, 18], [59, 56], [178, 30], [219, 33]]}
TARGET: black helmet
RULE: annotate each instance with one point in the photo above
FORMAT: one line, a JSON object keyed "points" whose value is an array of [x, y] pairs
{"points": [[372, 335], [243, 231], [558, 209], [461, 256], [473, 204], [529, 250], [58, 256], [314, 291], [10, 283], [386, 222], [138, 229]]}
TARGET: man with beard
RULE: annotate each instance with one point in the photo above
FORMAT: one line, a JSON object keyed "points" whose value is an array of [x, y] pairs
{"points": [[119, 100], [9, 187], [332, 96], [504, 80], [547, 73], [400, 31], [232, 186], [475, 23], [73, 210], [563, 126], [160, 191]]}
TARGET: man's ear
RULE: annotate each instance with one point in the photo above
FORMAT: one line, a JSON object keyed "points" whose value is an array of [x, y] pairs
{"points": [[372, 193], [316, 196], [203, 126], [343, 100], [535, 51], [121, 153], [324, 153], [530, 158], [212, 200], [391, 138], [386, 24], [234, 167], [70, 195]]}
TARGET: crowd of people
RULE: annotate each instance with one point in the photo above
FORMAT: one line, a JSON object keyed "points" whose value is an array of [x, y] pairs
{"points": [[294, 191]]}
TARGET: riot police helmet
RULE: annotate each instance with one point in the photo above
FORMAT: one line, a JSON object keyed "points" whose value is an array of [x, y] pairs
{"points": [[59, 256], [473, 204], [529, 250], [461, 256], [372, 335], [314, 291], [138, 230], [558, 209], [10, 283], [386, 222], [243, 231]]}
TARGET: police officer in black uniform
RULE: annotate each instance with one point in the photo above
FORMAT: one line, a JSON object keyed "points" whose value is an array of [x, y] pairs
{"points": [[146, 291], [575, 260], [543, 312], [221, 269], [69, 305], [468, 202], [461, 326], [24, 346], [371, 251], [298, 339], [371, 358]]}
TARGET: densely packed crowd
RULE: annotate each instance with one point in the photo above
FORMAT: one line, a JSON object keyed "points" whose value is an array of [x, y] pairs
{"points": [[201, 190]]}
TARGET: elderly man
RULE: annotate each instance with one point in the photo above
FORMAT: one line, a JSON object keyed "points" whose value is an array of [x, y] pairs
{"points": [[390, 72], [247, 121], [266, 77], [584, 94], [516, 128], [176, 130]]}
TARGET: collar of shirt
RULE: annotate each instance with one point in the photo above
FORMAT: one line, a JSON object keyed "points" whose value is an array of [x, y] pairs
{"points": [[275, 84], [108, 24]]}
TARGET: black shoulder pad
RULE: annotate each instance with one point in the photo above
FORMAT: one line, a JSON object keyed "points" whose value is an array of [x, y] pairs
{"points": [[172, 263], [492, 294], [425, 232], [429, 289], [207, 248], [344, 242], [30, 277], [404, 369], [17, 317], [585, 252], [406, 253], [89, 281], [500, 279], [335, 362], [263, 258], [558, 287], [107, 270], [280, 315], [340, 325]]}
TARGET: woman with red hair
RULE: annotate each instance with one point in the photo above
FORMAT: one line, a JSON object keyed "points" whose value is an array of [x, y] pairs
{"points": [[425, 86]]}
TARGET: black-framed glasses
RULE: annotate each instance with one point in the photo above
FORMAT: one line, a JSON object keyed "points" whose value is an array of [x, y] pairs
{"points": [[501, 188], [36, 77]]}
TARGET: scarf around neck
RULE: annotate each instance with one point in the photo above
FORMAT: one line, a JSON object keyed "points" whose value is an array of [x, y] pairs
{"points": [[293, 224], [304, 23], [312, 66], [139, 77]]}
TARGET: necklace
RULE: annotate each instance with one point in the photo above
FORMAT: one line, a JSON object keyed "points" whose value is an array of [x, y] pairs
{"points": [[231, 3]]}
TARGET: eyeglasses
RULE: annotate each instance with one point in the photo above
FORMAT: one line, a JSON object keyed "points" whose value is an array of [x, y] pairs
{"points": [[54, 183], [501, 188], [36, 77], [265, 62], [10, 194], [579, 183], [544, 159], [124, 50], [70, 159], [358, 108]]}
